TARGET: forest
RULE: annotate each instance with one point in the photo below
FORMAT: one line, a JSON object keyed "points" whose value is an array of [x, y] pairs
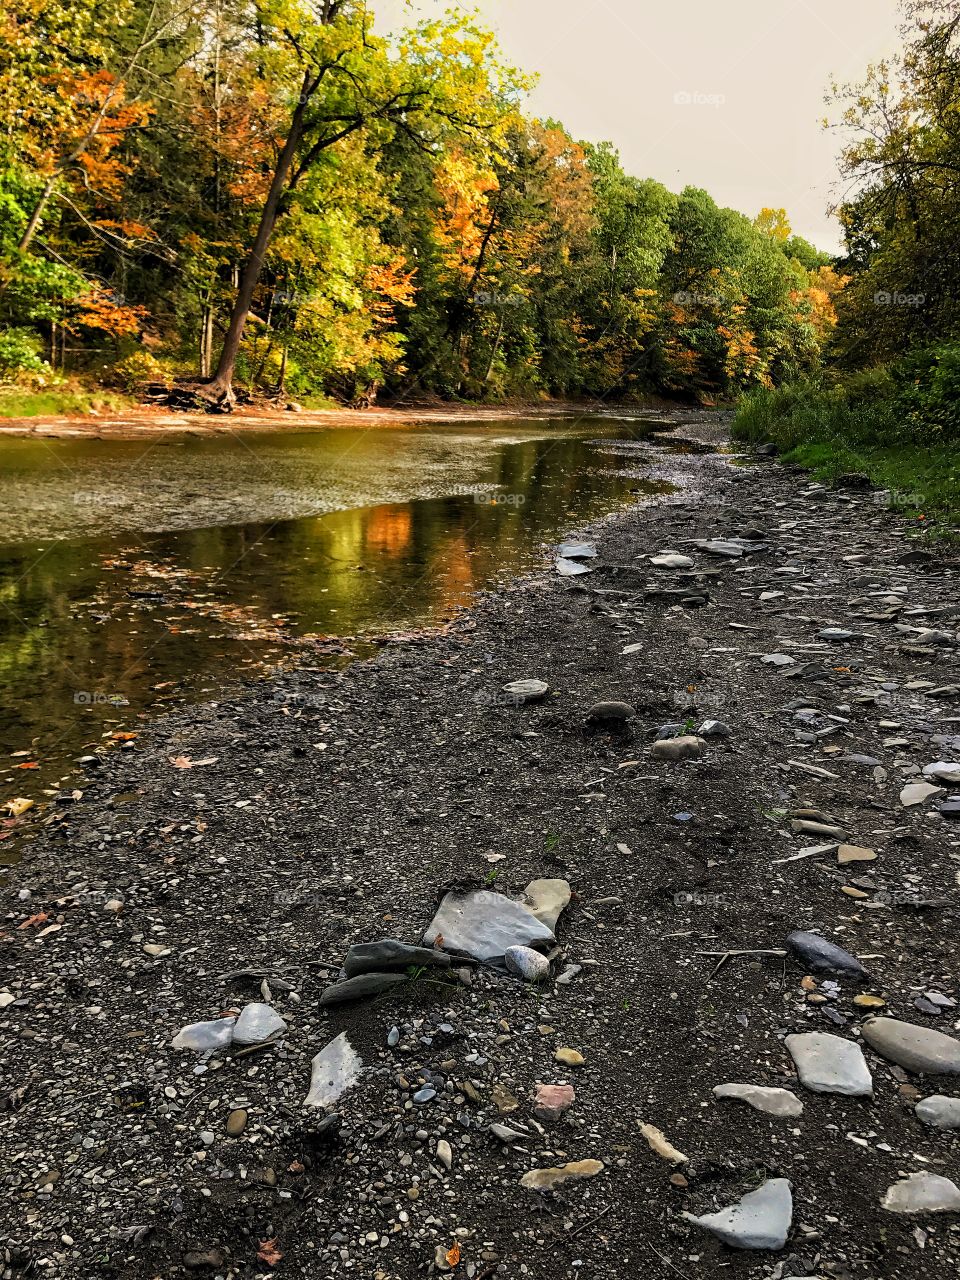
{"points": [[268, 198]]}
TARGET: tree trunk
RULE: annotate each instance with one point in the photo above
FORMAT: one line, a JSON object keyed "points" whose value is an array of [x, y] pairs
{"points": [[220, 388]]}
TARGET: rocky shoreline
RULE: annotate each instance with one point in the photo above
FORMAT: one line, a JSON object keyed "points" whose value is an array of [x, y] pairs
{"points": [[714, 1073]]}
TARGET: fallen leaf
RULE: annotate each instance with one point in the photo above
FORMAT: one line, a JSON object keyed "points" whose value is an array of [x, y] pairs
{"points": [[34, 920], [269, 1253], [27, 764], [184, 762], [124, 735], [18, 805], [453, 1256]]}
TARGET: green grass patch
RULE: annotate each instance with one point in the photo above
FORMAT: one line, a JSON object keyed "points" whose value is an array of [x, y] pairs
{"points": [[52, 404], [861, 426]]}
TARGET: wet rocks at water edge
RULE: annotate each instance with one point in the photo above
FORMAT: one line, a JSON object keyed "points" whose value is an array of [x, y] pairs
{"points": [[775, 1102], [923, 1192], [919, 1049], [821, 956], [759, 1220], [830, 1064]]}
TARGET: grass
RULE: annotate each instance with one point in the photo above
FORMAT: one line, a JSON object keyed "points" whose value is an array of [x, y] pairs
{"points": [[859, 428], [58, 403]]}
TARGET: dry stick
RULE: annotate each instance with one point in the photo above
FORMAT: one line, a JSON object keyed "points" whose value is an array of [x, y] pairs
{"points": [[727, 955], [666, 1261]]}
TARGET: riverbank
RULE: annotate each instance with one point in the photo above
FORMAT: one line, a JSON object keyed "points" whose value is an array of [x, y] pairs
{"points": [[150, 422], [235, 850]]}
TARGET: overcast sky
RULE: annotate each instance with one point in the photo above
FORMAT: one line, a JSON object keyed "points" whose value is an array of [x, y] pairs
{"points": [[722, 94]]}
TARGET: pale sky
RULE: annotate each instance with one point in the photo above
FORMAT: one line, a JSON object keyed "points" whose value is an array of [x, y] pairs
{"points": [[722, 94]]}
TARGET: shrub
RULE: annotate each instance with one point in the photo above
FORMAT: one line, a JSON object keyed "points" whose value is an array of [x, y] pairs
{"points": [[20, 354]]}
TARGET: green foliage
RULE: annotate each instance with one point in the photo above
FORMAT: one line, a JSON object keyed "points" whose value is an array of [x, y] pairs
{"points": [[19, 354]]}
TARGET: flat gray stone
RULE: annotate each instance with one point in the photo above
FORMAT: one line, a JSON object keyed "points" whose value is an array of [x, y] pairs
{"points": [[829, 1064], [483, 924], [204, 1037], [577, 550], [775, 1102], [257, 1022], [919, 1049], [721, 547], [942, 771], [388, 955], [569, 568], [547, 899], [334, 1069], [760, 1220], [923, 1193], [939, 1111], [523, 691], [821, 956], [364, 984], [915, 793]]}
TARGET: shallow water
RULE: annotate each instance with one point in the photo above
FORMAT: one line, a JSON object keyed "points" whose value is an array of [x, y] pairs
{"points": [[134, 574]]}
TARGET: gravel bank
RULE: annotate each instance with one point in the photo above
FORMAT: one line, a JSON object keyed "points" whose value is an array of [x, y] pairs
{"points": [[236, 850]]}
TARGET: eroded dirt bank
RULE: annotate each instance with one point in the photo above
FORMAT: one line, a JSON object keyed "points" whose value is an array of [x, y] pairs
{"points": [[255, 839]]}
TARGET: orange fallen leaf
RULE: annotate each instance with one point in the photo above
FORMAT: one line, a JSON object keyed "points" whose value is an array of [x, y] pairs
{"points": [[124, 735], [27, 764], [295, 1167], [34, 920], [453, 1256], [269, 1253]]}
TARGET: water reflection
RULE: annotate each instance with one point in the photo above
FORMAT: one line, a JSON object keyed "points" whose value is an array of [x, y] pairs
{"points": [[98, 630]]}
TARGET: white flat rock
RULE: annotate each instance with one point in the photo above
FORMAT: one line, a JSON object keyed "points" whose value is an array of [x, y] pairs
{"points": [[916, 792], [775, 1102], [483, 924], [257, 1022], [204, 1037], [923, 1193], [334, 1069], [760, 1220], [830, 1064], [547, 899]]}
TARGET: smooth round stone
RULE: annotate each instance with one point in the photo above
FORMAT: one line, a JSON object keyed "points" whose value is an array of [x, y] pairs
{"points": [[939, 1111], [236, 1123], [923, 1193], [426, 1094], [526, 963], [686, 747], [569, 1057], [919, 1049], [521, 691], [610, 713], [775, 1102]]}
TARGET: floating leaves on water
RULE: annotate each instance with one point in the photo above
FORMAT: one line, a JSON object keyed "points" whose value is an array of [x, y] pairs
{"points": [[18, 805]]}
